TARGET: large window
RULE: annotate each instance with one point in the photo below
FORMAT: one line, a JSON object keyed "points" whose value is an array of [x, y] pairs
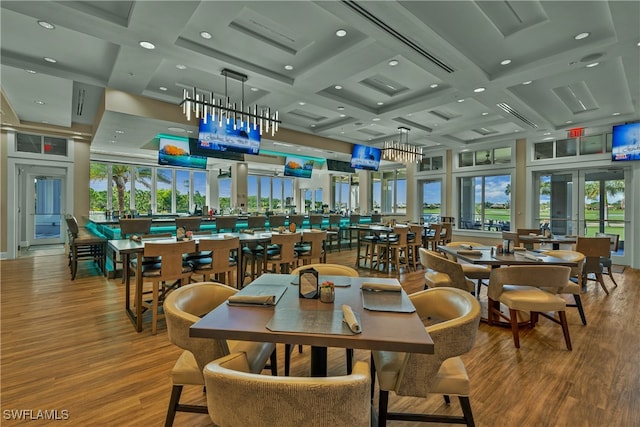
{"points": [[164, 193], [199, 189], [485, 202], [183, 187], [340, 184], [142, 189], [431, 200], [389, 191], [224, 195], [121, 188]]}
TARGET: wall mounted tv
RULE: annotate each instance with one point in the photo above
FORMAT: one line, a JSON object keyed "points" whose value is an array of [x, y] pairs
{"points": [[215, 137], [339, 166], [625, 142], [194, 145], [365, 157], [176, 152], [300, 168]]}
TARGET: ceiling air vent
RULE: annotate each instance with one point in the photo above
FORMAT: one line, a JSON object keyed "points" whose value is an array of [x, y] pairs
{"points": [[507, 109], [397, 35]]}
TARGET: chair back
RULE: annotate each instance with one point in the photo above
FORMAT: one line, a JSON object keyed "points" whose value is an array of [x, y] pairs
{"points": [[296, 219], [354, 219], [441, 264], [316, 241], [550, 277], [72, 225], [276, 221], [511, 236], [257, 222], [446, 232], [315, 220], [613, 238], [184, 306], [222, 251], [573, 256], [334, 222], [454, 336], [226, 223], [376, 218], [286, 242], [170, 254], [189, 223], [593, 249], [527, 231], [285, 401], [329, 270], [401, 232], [132, 226]]}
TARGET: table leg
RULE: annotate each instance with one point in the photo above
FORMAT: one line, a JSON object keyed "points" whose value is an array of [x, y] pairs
{"points": [[318, 361]]}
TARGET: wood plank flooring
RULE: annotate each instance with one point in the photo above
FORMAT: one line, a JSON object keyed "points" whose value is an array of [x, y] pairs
{"points": [[68, 346]]}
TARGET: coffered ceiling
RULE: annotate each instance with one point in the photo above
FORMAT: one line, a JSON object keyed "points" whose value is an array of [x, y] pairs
{"points": [[457, 73]]}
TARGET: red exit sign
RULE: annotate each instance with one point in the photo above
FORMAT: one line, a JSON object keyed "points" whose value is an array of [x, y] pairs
{"points": [[576, 132]]}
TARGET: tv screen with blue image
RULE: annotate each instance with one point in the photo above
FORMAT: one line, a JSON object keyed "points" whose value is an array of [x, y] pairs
{"points": [[213, 136], [365, 157], [176, 152], [625, 142], [300, 168]]}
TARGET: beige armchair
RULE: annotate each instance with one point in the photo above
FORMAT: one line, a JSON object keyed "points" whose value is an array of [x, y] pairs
{"points": [[417, 375], [519, 287], [472, 271], [183, 307], [237, 398], [442, 271], [576, 272]]}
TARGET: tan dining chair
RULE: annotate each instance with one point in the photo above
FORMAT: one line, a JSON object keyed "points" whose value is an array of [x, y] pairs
{"points": [[415, 241], [285, 401], [526, 232], [130, 227], [334, 231], [476, 272], [324, 270], [226, 224], [223, 262], [312, 246], [183, 308], [572, 288], [533, 289], [395, 252], [283, 256], [171, 267], [315, 221], [417, 375], [594, 248], [84, 245], [257, 223], [446, 233], [606, 260], [298, 220], [276, 221], [188, 223], [441, 271], [432, 236]]}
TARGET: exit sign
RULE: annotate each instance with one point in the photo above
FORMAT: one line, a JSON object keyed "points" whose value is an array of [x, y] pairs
{"points": [[576, 132]]}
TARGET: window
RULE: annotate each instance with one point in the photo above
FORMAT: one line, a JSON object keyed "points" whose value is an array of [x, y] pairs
{"points": [[199, 189], [142, 189], [41, 144], [431, 200], [183, 185], [485, 202], [98, 184], [566, 147], [164, 193], [224, 194], [253, 193], [431, 163], [544, 150], [591, 144], [340, 184], [389, 191], [121, 188], [484, 157]]}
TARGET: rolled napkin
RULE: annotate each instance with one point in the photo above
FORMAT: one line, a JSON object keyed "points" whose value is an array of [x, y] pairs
{"points": [[350, 319], [469, 252], [466, 246], [519, 248], [252, 299], [532, 257], [389, 287]]}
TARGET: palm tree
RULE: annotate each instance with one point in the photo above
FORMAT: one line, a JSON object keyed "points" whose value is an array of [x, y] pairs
{"points": [[612, 188], [121, 176]]}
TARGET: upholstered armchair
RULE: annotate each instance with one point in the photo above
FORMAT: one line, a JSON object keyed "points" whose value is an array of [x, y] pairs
{"points": [[442, 271]]}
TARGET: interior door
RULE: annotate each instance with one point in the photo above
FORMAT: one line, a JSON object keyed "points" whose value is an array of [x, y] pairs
{"points": [[45, 208]]}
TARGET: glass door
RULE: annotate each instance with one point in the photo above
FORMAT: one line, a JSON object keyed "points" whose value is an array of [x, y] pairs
{"points": [[45, 212]]}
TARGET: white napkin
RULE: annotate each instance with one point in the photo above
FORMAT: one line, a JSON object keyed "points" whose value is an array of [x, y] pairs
{"points": [[469, 252], [519, 248], [392, 287], [350, 319], [466, 247], [532, 257], [252, 299]]}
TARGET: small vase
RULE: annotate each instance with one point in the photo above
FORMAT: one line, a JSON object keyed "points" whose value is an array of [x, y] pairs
{"points": [[327, 294]]}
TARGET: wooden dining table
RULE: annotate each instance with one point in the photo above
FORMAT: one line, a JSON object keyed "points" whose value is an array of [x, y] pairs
{"points": [[300, 321]]}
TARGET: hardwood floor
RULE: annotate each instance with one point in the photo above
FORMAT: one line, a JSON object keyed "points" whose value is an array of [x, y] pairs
{"points": [[68, 346]]}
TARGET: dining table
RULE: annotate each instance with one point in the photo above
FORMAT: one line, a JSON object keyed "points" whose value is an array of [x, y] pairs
{"points": [[387, 320], [555, 240], [129, 248]]}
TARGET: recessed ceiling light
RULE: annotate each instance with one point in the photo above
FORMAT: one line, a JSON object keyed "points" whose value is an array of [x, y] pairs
{"points": [[340, 108], [341, 33], [615, 114], [205, 35], [39, 102], [376, 119], [48, 59], [162, 88], [343, 115], [433, 85], [517, 130], [47, 25], [119, 132], [547, 133], [581, 36], [313, 126], [30, 71], [479, 89], [569, 121], [337, 87], [147, 45], [301, 103], [45, 122], [505, 62], [288, 67], [181, 67], [593, 64], [189, 131], [548, 138], [393, 62], [638, 43], [380, 103], [461, 100], [528, 82], [176, 129], [485, 113], [254, 89]]}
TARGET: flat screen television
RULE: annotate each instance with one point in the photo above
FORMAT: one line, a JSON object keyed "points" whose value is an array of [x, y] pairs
{"points": [[194, 145], [365, 157], [213, 137], [625, 142], [176, 152], [339, 166], [300, 168]]}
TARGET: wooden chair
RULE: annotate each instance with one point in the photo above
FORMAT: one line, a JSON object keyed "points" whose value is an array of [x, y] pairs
{"points": [[84, 245], [606, 261], [223, 262], [576, 272], [276, 221], [520, 288], [183, 308], [298, 220], [285, 401], [315, 221], [417, 375], [281, 260], [415, 243], [594, 248], [312, 247], [226, 224], [171, 267], [354, 219], [446, 233], [132, 227], [376, 218], [526, 232], [432, 236], [334, 231], [257, 222], [188, 223], [398, 254]]}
